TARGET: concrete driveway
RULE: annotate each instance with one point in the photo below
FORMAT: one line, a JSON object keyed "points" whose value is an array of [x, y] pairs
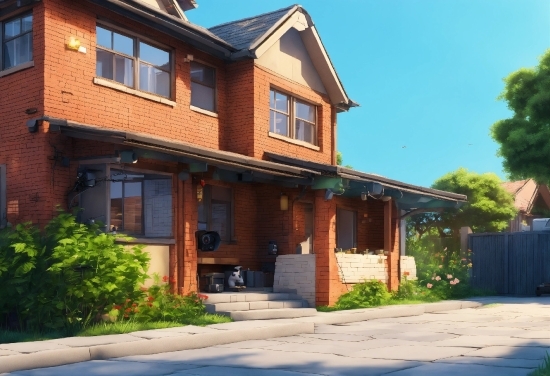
{"points": [[507, 336]]}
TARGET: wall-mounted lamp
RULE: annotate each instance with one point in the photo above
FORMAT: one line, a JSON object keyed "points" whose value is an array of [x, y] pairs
{"points": [[128, 156], [73, 44], [364, 196], [283, 201], [188, 58], [328, 194]]}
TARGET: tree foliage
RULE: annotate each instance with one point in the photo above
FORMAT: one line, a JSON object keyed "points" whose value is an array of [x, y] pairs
{"points": [[340, 160], [525, 137], [489, 206]]}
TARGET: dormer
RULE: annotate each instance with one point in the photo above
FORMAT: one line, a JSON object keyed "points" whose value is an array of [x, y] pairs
{"points": [[176, 8]]}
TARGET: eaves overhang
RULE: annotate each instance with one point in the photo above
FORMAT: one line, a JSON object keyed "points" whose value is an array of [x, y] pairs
{"points": [[407, 196], [180, 29], [184, 150]]}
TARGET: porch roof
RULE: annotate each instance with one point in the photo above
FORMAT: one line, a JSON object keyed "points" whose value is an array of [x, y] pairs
{"points": [[184, 152], [407, 196]]}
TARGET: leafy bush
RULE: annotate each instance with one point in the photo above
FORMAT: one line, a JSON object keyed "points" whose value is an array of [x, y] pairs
{"points": [[160, 304], [66, 275], [367, 294]]}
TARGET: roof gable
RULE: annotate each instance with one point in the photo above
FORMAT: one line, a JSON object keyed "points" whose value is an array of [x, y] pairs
{"points": [[254, 36]]}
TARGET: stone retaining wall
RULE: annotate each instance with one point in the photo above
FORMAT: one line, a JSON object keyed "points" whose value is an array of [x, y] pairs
{"points": [[296, 272], [360, 268], [408, 267]]}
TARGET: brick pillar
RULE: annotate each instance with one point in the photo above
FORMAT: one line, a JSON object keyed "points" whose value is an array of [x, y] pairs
{"points": [[187, 204], [391, 244], [326, 272]]}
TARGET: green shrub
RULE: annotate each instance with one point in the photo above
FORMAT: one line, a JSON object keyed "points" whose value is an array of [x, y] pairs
{"points": [[367, 294], [65, 276], [160, 304]]}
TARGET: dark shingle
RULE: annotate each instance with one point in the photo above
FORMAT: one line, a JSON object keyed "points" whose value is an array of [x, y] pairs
{"points": [[242, 33]]}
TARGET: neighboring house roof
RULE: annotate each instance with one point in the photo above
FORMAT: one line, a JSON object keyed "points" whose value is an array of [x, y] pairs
{"points": [[525, 193]]}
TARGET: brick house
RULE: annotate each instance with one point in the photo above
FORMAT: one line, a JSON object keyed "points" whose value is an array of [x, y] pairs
{"points": [[158, 128], [532, 200]]}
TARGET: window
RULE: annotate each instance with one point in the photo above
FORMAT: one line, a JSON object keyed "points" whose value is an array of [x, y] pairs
{"points": [[3, 202], [346, 224], [216, 211], [292, 117], [132, 62], [141, 204], [203, 86], [16, 38]]}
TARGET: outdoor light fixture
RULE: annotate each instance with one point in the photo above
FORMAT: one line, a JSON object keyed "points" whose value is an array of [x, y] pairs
{"points": [[73, 44], [283, 201], [364, 196], [328, 194], [128, 156]]}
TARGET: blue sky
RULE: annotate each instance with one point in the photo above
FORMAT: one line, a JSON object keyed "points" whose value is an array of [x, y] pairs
{"points": [[426, 73]]}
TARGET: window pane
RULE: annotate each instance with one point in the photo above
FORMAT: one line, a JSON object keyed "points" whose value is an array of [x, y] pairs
{"points": [[157, 199], [305, 131], [271, 99], [221, 193], [154, 56], [123, 44], [305, 111], [202, 96], [278, 123], [18, 51], [104, 64], [12, 28], [26, 23], [124, 70], [203, 74], [281, 102], [103, 37], [154, 80], [132, 212], [116, 206]]}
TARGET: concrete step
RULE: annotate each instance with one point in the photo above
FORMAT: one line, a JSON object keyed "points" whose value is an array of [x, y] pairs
{"points": [[255, 305], [233, 297], [267, 314]]}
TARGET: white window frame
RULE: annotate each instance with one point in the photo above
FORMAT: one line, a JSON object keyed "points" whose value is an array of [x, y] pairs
{"points": [[3, 197], [291, 124], [215, 99], [26, 64], [137, 61]]}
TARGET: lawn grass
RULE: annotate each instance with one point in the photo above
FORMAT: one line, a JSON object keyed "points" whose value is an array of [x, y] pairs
{"points": [[544, 368], [386, 303], [104, 328]]}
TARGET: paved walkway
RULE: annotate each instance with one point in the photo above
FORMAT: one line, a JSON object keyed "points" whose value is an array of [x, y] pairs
{"points": [[510, 337]]}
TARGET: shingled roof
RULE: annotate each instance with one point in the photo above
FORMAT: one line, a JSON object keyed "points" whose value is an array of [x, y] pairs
{"points": [[241, 34]]}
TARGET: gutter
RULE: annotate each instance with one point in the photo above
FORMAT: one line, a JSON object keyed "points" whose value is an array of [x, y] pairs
{"points": [[196, 35]]}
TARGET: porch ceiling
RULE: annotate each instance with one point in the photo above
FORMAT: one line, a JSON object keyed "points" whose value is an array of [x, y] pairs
{"points": [[159, 148]]}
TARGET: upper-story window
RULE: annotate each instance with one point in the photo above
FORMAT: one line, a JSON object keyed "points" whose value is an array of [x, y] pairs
{"points": [[203, 86], [133, 62], [16, 38], [292, 117]]}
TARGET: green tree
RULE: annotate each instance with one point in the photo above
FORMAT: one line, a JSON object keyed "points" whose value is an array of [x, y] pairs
{"points": [[524, 138], [489, 206], [340, 160]]}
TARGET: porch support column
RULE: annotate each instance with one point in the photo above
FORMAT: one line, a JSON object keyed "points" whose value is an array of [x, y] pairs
{"points": [[326, 271], [391, 245], [186, 242]]}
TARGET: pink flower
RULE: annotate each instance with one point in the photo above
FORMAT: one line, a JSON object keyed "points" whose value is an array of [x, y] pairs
{"points": [[452, 282], [449, 276], [438, 278], [456, 280], [429, 285]]}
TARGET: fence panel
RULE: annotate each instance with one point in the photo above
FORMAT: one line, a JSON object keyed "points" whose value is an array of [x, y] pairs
{"points": [[510, 263]]}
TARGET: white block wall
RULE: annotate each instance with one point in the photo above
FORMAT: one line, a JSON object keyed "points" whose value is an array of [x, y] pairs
{"points": [[361, 268], [407, 264], [296, 272]]}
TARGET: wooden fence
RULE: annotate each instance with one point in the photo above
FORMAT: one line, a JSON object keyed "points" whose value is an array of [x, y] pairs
{"points": [[510, 263]]}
